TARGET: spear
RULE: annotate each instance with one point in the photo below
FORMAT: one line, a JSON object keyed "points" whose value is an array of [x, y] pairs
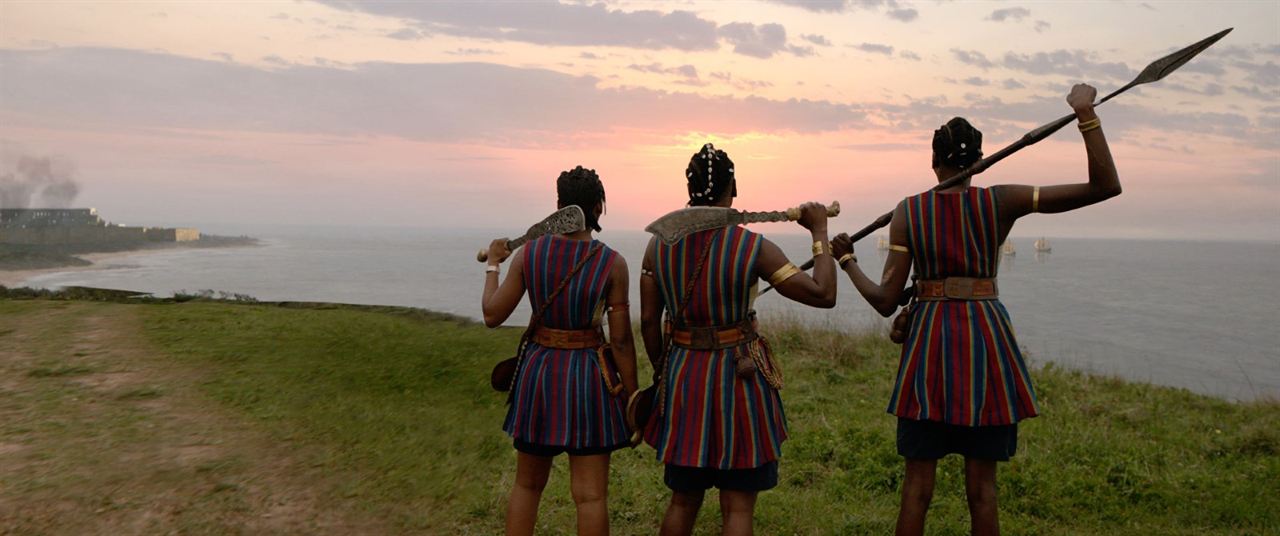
{"points": [[1154, 72]]}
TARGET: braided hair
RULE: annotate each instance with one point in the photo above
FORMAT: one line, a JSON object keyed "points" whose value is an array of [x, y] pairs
{"points": [[956, 144], [582, 187], [710, 174]]}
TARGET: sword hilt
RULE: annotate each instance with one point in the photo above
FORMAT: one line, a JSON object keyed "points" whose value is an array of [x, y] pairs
{"points": [[833, 210], [483, 255]]}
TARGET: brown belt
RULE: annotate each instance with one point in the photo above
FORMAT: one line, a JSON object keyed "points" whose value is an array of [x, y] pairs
{"points": [[957, 288], [714, 337], [568, 339]]}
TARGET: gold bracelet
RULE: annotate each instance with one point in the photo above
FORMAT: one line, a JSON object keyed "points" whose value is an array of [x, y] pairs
{"points": [[899, 249], [492, 269], [1035, 199], [820, 247], [783, 274], [1090, 125], [846, 257]]}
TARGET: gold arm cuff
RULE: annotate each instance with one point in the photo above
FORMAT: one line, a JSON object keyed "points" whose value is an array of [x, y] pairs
{"points": [[783, 274], [895, 247], [820, 247], [1035, 199], [846, 257]]}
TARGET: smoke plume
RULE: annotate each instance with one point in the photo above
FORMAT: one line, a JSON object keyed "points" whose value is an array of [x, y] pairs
{"points": [[47, 181]]}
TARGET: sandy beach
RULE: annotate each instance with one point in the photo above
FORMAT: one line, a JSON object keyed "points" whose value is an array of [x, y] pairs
{"points": [[101, 261]]}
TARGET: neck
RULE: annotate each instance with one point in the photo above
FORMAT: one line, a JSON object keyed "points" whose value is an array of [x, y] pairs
{"points": [[579, 235]]}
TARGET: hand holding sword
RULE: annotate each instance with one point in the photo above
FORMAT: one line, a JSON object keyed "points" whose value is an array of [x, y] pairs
{"points": [[569, 219]]}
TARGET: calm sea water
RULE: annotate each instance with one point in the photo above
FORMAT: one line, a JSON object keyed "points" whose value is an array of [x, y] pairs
{"points": [[1200, 315]]}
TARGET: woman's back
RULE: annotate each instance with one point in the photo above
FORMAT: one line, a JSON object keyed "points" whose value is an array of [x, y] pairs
{"points": [[548, 260], [954, 234], [722, 294]]}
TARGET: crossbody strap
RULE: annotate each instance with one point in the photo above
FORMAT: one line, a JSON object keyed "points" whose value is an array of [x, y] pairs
{"points": [[536, 319]]}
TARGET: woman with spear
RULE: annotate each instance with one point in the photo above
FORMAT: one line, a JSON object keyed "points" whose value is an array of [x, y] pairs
{"points": [[962, 385]]}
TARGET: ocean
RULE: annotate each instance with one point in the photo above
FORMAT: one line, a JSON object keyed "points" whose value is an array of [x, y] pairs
{"points": [[1199, 315]]}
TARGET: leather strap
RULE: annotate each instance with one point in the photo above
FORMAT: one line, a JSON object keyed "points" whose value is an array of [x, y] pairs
{"points": [[957, 288], [568, 339], [714, 337]]}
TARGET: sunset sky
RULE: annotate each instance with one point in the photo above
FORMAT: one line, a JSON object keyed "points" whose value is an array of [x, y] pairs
{"points": [[442, 114]]}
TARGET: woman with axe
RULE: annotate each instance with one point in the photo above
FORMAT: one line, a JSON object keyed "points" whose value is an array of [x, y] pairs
{"points": [[716, 419], [568, 395], [962, 384]]}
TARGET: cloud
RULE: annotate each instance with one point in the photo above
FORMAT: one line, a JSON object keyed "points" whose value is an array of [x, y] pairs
{"points": [[684, 71], [1010, 83], [816, 39], [1009, 13], [761, 41], [972, 57], [741, 83], [1042, 26], [909, 55], [874, 48], [892, 8], [471, 52], [548, 22], [407, 34], [438, 102], [1073, 63], [590, 56], [224, 55], [1254, 92]]}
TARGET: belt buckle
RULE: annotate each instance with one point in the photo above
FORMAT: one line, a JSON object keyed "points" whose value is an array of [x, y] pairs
{"points": [[702, 338], [958, 287]]}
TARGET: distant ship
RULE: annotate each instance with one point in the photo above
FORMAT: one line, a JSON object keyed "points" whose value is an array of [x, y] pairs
{"points": [[1007, 248], [1042, 246]]}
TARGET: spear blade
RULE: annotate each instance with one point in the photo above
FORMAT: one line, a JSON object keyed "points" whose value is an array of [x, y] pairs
{"points": [[1161, 68]]}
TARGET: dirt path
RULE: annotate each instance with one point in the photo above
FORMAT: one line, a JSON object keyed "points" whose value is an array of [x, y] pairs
{"points": [[101, 433]]}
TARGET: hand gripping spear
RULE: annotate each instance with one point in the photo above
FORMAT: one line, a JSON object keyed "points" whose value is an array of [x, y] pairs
{"points": [[1154, 72]]}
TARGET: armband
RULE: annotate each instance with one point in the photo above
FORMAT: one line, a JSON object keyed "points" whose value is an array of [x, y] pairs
{"points": [[783, 274]]}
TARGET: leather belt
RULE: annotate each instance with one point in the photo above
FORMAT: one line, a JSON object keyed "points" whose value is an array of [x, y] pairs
{"points": [[957, 288], [568, 339], [714, 337]]}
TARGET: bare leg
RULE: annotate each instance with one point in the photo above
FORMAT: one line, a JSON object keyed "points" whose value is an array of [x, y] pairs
{"points": [[980, 487], [522, 507], [682, 513], [589, 482], [917, 493], [737, 508]]}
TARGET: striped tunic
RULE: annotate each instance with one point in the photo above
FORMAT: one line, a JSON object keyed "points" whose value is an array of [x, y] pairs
{"points": [[960, 363], [560, 398], [712, 417]]}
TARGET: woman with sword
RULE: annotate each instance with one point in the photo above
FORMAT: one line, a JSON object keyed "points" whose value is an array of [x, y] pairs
{"points": [[568, 395], [962, 385]]}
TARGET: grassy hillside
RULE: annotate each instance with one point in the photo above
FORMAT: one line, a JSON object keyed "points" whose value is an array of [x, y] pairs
{"points": [[394, 408]]}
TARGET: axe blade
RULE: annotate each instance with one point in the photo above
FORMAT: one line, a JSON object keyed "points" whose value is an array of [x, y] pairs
{"points": [[678, 224], [569, 219]]}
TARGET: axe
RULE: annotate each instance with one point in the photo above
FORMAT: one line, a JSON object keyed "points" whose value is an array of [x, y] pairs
{"points": [[569, 219], [686, 221]]}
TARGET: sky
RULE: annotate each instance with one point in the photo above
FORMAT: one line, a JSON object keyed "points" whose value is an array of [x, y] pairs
{"points": [[462, 114]]}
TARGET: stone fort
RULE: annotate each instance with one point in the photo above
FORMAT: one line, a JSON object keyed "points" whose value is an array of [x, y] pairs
{"points": [[78, 226]]}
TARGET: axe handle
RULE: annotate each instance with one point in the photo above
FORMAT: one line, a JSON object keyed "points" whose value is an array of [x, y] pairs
{"points": [[483, 255]]}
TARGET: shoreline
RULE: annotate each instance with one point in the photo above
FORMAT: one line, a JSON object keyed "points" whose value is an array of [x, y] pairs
{"points": [[99, 261]]}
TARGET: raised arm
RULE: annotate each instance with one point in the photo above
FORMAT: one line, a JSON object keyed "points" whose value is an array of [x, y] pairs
{"points": [[618, 312], [651, 308], [498, 301], [773, 266], [1104, 181], [885, 296]]}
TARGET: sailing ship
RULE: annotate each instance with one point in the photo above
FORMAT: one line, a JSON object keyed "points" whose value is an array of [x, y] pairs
{"points": [[1007, 248], [1042, 246]]}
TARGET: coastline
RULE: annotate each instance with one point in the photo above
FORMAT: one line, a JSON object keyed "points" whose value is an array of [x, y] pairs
{"points": [[99, 261]]}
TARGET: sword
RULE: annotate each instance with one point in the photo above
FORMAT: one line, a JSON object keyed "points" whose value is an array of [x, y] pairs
{"points": [[678, 224], [1154, 72], [566, 220]]}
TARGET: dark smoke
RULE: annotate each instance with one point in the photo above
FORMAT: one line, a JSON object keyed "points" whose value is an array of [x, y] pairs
{"points": [[47, 180]]}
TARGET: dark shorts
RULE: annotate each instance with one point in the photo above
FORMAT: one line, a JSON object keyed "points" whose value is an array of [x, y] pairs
{"points": [[685, 479], [556, 450], [931, 440]]}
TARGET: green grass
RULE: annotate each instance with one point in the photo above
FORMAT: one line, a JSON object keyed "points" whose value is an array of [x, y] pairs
{"points": [[398, 406]]}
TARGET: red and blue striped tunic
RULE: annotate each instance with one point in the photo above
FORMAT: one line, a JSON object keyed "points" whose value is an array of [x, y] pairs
{"points": [[960, 363], [713, 418], [560, 397]]}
